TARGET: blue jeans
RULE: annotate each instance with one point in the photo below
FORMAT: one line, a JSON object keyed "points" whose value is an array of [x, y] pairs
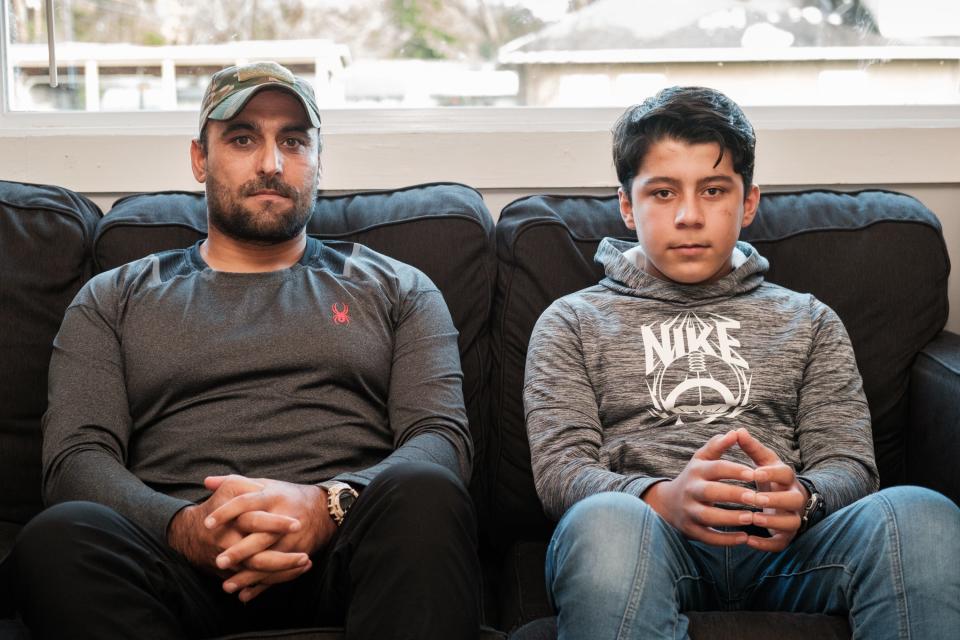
{"points": [[890, 562]]}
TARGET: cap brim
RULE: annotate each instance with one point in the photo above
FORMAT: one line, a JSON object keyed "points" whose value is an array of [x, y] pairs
{"points": [[233, 104]]}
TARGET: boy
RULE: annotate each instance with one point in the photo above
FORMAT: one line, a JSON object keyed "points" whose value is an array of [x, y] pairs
{"points": [[702, 435]]}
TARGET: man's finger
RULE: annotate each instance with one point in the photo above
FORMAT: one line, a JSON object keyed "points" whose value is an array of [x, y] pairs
{"points": [[716, 445], [242, 483], [272, 561], [759, 453], [250, 579], [234, 507], [248, 546], [249, 593], [253, 521]]}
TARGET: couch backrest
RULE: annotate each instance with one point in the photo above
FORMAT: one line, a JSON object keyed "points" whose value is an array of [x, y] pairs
{"points": [[443, 229], [45, 238], [877, 258]]}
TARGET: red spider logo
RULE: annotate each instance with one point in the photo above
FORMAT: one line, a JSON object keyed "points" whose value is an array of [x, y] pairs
{"points": [[340, 315]]}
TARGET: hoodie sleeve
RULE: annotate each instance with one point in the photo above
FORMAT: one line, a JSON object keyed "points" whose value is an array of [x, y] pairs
{"points": [[562, 416], [833, 418]]}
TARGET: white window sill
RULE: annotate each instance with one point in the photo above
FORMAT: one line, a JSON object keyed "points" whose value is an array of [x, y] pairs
{"points": [[508, 148]]}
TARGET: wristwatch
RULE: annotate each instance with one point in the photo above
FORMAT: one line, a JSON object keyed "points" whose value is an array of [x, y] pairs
{"points": [[340, 497], [813, 510]]}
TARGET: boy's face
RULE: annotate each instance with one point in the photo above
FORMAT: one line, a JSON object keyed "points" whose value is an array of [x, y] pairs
{"points": [[687, 212]]}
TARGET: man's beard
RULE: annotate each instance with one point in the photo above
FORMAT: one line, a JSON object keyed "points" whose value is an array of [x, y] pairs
{"points": [[265, 226]]}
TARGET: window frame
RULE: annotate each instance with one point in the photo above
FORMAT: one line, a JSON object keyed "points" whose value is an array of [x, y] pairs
{"points": [[487, 147]]}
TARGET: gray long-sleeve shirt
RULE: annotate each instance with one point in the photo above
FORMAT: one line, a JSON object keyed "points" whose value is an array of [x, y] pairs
{"points": [[627, 379], [165, 371]]}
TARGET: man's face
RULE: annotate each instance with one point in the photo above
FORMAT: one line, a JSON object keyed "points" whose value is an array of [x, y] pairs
{"points": [[260, 169], [687, 212]]}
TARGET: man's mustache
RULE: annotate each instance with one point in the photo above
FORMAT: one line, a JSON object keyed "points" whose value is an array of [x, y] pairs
{"points": [[270, 183]]}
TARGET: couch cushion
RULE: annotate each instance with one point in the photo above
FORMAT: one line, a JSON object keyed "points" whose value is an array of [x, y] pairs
{"points": [[443, 229], [877, 258], [45, 236], [745, 625], [485, 633]]}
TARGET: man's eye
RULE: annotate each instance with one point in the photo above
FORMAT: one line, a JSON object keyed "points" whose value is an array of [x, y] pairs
{"points": [[242, 141], [293, 142]]}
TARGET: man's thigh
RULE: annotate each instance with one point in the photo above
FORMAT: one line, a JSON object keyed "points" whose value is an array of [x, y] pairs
{"points": [[81, 565]]}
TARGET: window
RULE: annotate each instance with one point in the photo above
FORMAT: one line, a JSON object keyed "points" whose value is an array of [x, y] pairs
{"points": [[505, 95], [156, 55]]}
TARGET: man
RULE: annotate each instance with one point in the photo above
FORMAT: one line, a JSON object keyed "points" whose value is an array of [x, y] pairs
{"points": [[702, 435], [260, 431]]}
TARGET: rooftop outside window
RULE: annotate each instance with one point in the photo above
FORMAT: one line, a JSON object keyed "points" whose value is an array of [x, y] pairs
{"points": [[156, 55]]}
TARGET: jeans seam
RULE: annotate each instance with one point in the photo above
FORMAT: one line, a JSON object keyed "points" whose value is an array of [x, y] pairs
{"points": [[897, 568], [639, 571], [676, 596]]}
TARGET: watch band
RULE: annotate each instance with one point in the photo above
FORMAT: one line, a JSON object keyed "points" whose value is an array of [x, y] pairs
{"points": [[813, 510], [340, 497]]}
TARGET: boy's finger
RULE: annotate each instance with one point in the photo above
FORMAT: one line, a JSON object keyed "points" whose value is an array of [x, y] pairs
{"points": [[755, 449], [780, 474], [780, 500], [716, 445], [727, 470]]}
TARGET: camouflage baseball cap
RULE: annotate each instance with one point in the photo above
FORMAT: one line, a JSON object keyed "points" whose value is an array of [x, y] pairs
{"points": [[231, 88]]}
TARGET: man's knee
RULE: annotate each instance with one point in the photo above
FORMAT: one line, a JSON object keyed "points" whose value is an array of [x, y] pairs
{"points": [[422, 494], [51, 536]]}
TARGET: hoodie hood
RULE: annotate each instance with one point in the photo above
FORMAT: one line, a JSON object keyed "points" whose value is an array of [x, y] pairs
{"points": [[624, 276]]}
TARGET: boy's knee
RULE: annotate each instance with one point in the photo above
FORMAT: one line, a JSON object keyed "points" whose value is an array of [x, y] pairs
{"points": [[601, 539], [920, 512], [610, 519]]}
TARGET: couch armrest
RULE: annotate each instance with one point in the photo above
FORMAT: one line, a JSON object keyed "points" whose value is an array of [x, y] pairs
{"points": [[933, 440]]}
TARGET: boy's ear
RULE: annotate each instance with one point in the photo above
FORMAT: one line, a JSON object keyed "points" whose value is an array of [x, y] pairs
{"points": [[198, 161], [626, 209], [750, 204]]}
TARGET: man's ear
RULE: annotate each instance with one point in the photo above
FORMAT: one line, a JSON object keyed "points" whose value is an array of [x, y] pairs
{"points": [[750, 204], [626, 209], [198, 161]]}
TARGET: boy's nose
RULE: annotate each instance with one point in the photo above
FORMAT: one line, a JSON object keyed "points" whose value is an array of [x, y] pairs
{"points": [[689, 215]]}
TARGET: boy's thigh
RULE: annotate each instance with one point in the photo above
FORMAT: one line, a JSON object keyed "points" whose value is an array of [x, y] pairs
{"points": [[862, 547], [615, 543]]}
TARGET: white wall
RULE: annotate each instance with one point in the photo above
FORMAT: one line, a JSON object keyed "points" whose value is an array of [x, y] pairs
{"points": [[510, 153]]}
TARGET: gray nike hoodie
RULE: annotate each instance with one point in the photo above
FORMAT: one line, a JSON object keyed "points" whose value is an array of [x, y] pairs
{"points": [[625, 380]]}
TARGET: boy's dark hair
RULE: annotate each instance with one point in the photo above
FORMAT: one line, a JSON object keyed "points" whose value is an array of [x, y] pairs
{"points": [[688, 114]]}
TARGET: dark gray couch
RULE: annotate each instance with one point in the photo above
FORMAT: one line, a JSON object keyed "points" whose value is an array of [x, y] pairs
{"points": [[877, 258]]}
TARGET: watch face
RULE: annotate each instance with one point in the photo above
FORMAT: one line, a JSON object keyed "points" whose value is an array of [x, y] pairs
{"points": [[346, 500]]}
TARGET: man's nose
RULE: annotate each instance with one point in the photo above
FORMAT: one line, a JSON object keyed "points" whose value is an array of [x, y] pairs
{"points": [[271, 160]]}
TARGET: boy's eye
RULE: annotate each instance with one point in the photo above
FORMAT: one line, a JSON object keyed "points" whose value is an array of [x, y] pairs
{"points": [[662, 194], [713, 191]]}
